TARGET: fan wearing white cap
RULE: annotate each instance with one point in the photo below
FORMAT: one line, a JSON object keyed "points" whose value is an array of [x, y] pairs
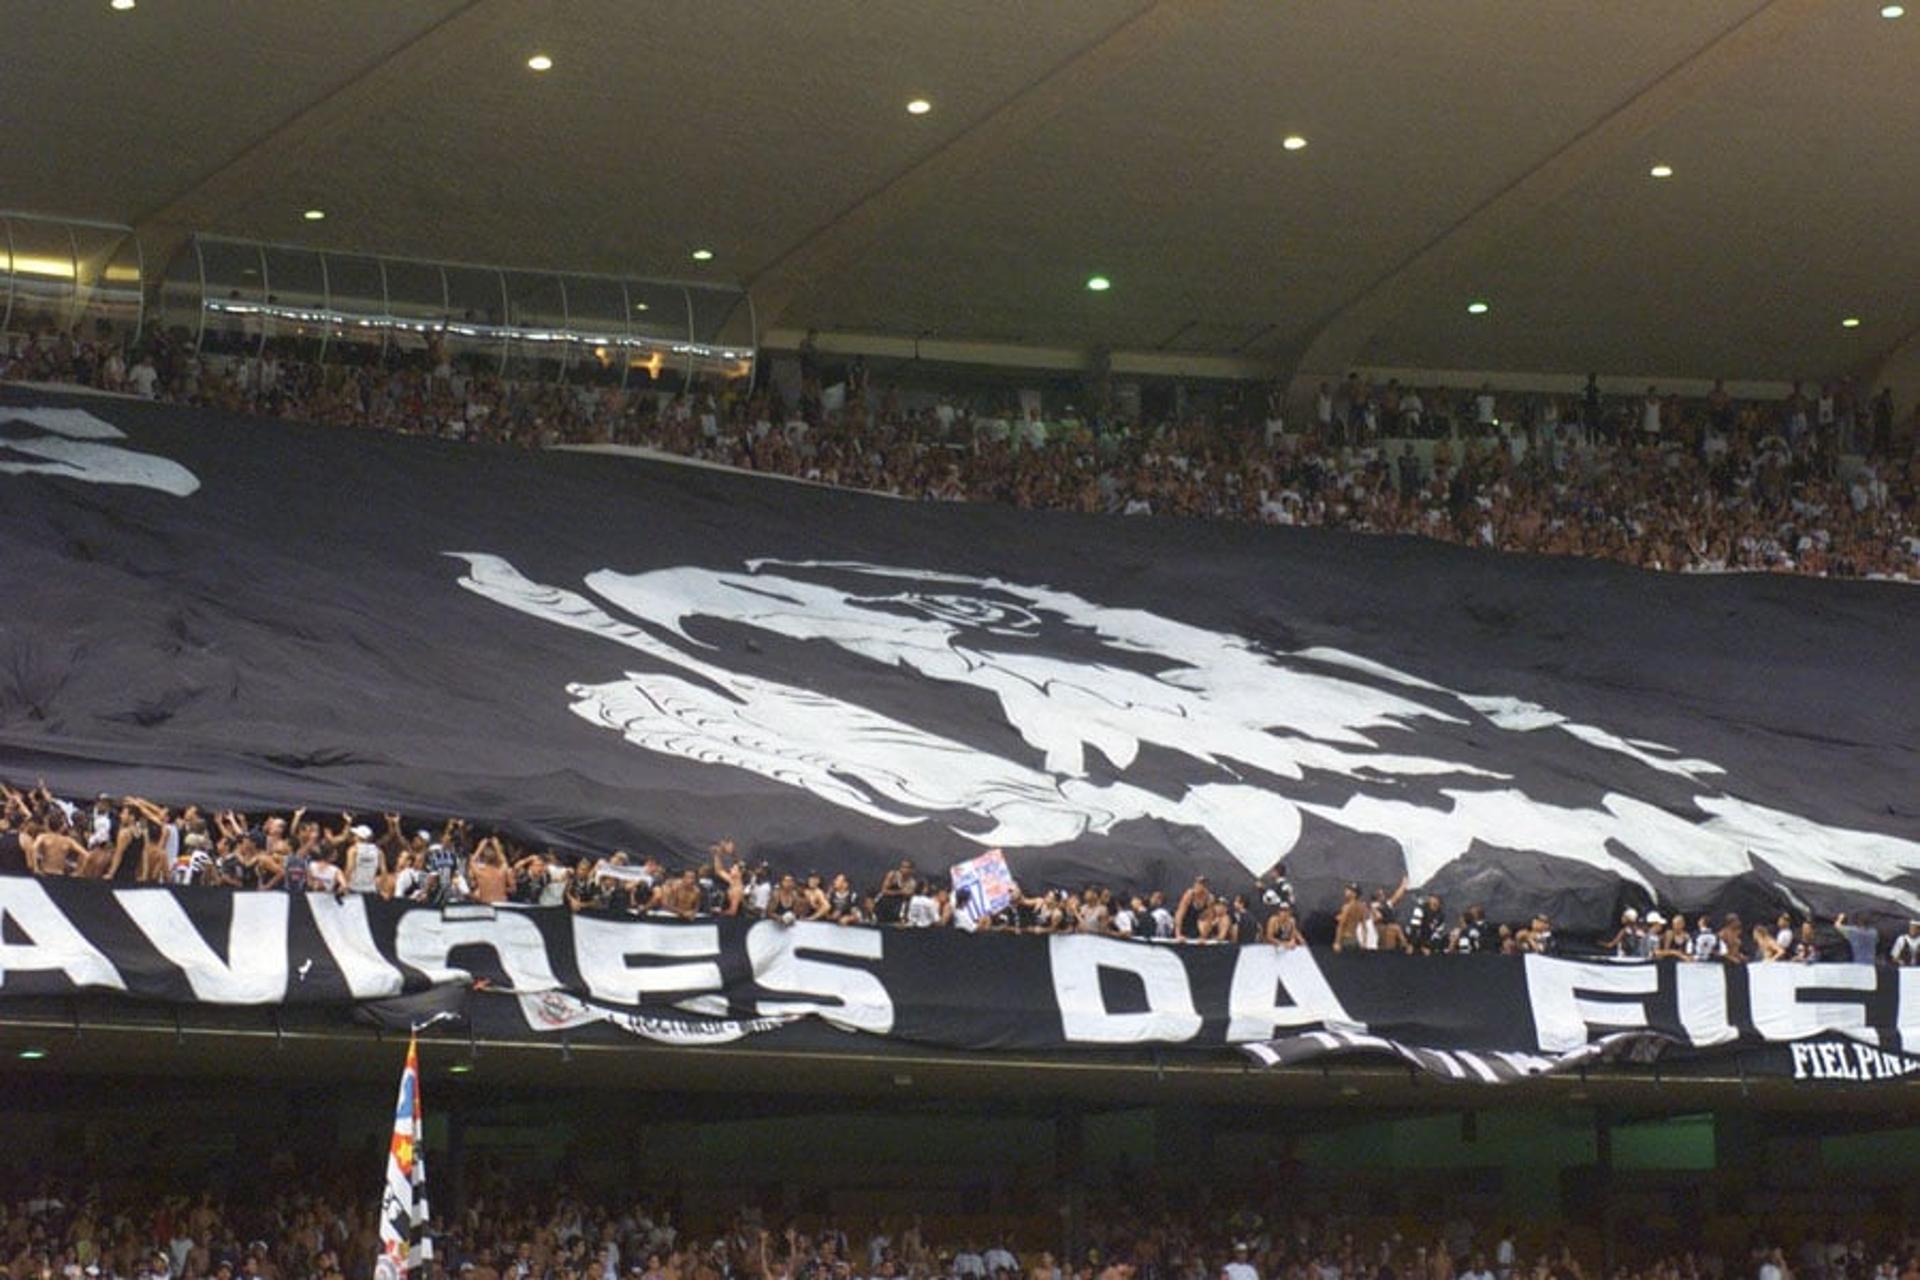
{"points": [[366, 861], [1239, 1268], [1630, 942]]}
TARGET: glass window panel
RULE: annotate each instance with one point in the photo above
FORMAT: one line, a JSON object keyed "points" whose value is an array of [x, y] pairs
{"points": [[657, 349], [182, 300], [538, 311], [416, 311], [297, 303], [476, 327], [40, 263], [357, 311], [236, 295], [109, 284], [722, 331], [597, 308]]}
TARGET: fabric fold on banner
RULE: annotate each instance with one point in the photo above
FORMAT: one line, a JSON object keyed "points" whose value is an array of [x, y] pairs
{"points": [[1481, 1066]]}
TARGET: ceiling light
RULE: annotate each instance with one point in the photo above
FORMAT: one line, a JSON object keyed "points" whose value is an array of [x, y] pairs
{"points": [[919, 107], [1851, 322], [1886, 11], [703, 255], [540, 62], [314, 215], [639, 306], [1477, 308], [1293, 142], [32, 1055], [459, 1068], [1099, 284], [1661, 171], [120, 6]]}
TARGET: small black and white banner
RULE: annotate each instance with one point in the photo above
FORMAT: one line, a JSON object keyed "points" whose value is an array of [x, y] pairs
{"points": [[1496, 1066], [558, 1011]]}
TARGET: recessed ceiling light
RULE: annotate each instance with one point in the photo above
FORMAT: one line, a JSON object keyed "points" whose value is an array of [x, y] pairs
{"points": [[1293, 142], [1661, 171], [1476, 308], [1886, 11], [540, 62], [1851, 322], [703, 255], [919, 107], [120, 6], [314, 215], [1099, 284], [33, 1055]]}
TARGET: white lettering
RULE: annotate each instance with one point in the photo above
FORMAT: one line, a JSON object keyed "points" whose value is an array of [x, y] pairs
{"points": [[1780, 1014], [1077, 960], [1700, 991], [861, 999], [255, 970], [343, 927], [53, 944], [426, 938], [1906, 1015], [1262, 976], [605, 951], [1802, 1061], [1563, 1014]]}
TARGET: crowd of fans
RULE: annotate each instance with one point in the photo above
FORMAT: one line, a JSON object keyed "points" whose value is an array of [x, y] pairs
{"points": [[296, 1228], [135, 841], [1825, 481]]}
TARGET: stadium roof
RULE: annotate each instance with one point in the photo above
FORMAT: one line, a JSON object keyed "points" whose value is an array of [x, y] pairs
{"points": [[1496, 150]]}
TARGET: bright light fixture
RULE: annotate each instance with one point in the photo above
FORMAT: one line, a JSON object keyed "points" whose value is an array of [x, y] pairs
{"points": [[460, 1068], [919, 107], [1099, 284], [33, 1055], [1293, 142], [1476, 308], [1886, 11], [639, 306], [703, 255], [540, 62], [1851, 322], [1661, 171], [120, 6], [314, 215]]}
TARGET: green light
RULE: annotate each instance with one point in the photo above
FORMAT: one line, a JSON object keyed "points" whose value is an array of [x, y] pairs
{"points": [[32, 1055], [1476, 308], [1099, 284], [460, 1068]]}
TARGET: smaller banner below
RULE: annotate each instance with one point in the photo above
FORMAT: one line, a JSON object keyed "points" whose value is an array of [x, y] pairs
{"points": [[557, 1011], [1475, 1066]]}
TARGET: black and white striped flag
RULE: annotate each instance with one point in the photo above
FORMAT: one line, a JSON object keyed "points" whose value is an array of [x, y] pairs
{"points": [[404, 1243], [1475, 1066]]}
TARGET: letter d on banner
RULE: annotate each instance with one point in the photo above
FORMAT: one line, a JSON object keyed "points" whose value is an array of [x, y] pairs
{"points": [[1077, 960]]}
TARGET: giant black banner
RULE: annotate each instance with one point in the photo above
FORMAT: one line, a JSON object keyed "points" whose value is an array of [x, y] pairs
{"points": [[1487, 1018], [603, 652]]}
